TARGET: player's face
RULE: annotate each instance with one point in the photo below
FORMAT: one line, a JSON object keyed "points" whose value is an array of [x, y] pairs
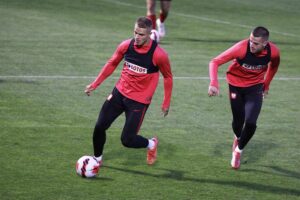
{"points": [[257, 44], [141, 35]]}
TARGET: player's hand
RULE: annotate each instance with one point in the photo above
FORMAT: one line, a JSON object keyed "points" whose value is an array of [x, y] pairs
{"points": [[213, 91], [164, 112], [89, 89], [265, 93]]}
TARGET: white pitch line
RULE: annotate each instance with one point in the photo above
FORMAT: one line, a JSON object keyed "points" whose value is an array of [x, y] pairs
{"points": [[200, 18], [114, 77]]}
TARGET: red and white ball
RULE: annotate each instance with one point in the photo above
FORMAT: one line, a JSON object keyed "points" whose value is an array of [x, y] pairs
{"points": [[154, 35], [87, 167]]}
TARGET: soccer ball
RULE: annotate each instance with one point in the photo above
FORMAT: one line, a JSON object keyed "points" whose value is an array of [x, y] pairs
{"points": [[87, 167], [154, 35]]}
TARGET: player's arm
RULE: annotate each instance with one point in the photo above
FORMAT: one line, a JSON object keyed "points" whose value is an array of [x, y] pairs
{"points": [[108, 68], [226, 56], [163, 62], [272, 68]]}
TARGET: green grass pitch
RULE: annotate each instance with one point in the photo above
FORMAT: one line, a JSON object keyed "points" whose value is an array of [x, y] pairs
{"points": [[51, 49]]}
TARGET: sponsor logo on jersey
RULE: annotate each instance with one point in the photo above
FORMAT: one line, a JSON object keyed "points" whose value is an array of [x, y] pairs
{"points": [[254, 67], [136, 68]]}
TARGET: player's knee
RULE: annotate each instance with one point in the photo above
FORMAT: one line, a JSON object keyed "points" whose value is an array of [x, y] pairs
{"points": [[101, 126], [127, 141]]}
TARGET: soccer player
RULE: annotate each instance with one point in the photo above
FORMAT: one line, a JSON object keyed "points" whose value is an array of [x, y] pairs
{"points": [[255, 62], [163, 14], [132, 94]]}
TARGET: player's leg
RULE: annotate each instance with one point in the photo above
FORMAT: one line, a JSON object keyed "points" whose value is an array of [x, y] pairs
{"points": [[164, 11], [110, 110], [238, 114], [237, 107], [254, 99], [135, 113], [151, 12]]}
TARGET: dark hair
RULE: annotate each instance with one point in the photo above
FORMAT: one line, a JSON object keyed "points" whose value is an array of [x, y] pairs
{"points": [[261, 31], [144, 22]]}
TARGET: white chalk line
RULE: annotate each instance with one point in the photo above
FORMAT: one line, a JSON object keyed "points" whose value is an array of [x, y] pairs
{"points": [[200, 18]]}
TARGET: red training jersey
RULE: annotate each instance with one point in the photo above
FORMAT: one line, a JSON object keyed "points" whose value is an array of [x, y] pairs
{"points": [[133, 82], [245, 76]]}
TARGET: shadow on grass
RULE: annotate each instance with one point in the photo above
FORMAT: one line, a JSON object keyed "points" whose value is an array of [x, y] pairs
{"points": [[179, 176], [255, 150], [97, 178], [285, 172], [276, 171]]}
